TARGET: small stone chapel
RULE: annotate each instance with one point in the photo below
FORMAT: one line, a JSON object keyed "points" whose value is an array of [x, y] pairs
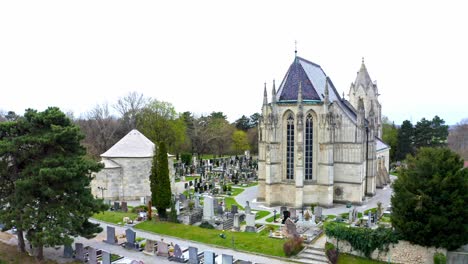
{"points": [[127, 168], [318, 147]]}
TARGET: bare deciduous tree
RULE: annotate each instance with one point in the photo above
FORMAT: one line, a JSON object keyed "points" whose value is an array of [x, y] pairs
{"points": [[458, 138], [129, 107]]}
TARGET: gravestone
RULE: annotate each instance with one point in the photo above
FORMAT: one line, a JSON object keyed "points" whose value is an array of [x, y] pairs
{"points": [[106, 257], [177, 207], [289, 229], [67, 251], [318, 212], [247, 208], [250, 219], [292, 212], [110, 238], [208, 209], [209, 257], [227, 259], [369, 218], [163, 249], [193, 255], [186, 186], [116, 206], [197, 201], [350, 216], [286, 215], [182, 197], [234, 209], [124, 207], [92, 256], [131, 236], [190, 183], [79, 252], [236, 222], [178, 253], [220, 210], [149, 247]]}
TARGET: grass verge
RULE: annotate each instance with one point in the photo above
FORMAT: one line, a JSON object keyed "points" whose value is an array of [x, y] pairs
{"points": [[253, 242], [350, 259], [113, 217], [261, 214], [229, 201]]}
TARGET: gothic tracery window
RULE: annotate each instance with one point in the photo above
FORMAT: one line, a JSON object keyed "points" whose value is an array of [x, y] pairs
{"points": [[290, 148], [309, 143]]}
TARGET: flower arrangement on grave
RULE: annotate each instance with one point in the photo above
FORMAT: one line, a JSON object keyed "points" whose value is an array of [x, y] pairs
{"points": [[307, 216]]}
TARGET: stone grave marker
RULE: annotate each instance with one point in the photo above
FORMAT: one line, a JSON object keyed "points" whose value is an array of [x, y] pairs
{"points": [[106, 257], [282, 209], [208, 209], [234, 209], [163, 249], [149, 247], [209, 257], [292, 212], [197, 201], [116, 206], [250, 219], [369, 219], [227, 259], [186, 186], [289, 228], [79, 252], [193, 255], [110, 238], [177, 207], [220, 210], [178, 252], [286, 215], [124, 207], [350, 216], [131, 236], [67, 251], [92, 256], [236, 222], [247, 209], [318, 212]]}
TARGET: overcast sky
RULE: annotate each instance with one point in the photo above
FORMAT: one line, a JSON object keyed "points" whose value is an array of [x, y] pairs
{"points": [[215, 56]]}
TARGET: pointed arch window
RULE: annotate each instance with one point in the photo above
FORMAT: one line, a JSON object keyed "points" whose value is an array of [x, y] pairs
{"points": [[309, 146], [290, 147]]}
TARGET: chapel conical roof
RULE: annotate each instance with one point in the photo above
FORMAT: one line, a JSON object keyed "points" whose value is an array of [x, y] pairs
{"points": [[133, 145], [312, 79], [363, 78]]}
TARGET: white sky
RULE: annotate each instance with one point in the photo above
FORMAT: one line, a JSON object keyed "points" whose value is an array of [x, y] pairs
{"points": [[215, 56]]}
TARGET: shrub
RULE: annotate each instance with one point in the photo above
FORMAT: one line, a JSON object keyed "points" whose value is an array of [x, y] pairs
{"points": [[329, 246], [270, 227], [140, 208], [293, 246], [439, 258], [186, 158], [206, 225], [229, 188], [332, 255], [224, 188]]}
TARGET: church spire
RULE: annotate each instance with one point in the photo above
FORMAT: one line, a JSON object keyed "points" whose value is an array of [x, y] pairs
{"points": [[273, 93], [265, 96]]}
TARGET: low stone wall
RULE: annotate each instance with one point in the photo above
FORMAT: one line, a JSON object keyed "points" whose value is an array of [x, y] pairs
{"points": [[402, 252]]}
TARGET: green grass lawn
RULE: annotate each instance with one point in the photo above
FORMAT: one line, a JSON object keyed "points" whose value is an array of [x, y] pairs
{"points": [[252, 242], [236, 191], [113, 217], [261, 214], [350, 259], [229, 201]]}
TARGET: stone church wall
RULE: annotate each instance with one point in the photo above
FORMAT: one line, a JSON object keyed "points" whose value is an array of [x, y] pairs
{"points": [[111, 180]]}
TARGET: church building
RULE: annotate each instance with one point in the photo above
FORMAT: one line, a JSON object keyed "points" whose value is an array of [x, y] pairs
{"points": [[318, 147]]}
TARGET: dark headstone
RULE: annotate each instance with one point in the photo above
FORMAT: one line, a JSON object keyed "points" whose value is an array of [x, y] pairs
{"points": [[110, 235], [286, 215], [124, 207], [67, 251], [220, 210], [116, 206], [79, 252], [186, 186], [190, 183], [131, 236], [193, 255], [178, 252], [283, 208], [106, 257], [234, 209]]}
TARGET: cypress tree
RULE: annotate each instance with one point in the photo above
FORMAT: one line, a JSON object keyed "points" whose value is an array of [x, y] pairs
{"points": [[161, 195]]}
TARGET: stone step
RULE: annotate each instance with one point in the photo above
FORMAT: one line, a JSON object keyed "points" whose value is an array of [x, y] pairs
{"points": [[313, 254], [310, 261]]}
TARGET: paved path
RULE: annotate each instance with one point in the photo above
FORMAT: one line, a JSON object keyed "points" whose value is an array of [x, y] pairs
{"points": [[97, 242], [382, 195]]}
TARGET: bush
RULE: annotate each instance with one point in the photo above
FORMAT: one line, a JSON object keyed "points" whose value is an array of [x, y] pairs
{"points": [[229, 188], [270, 228], [186, 158], [332, 255], [140, 208], [293, 246], [364, 240], [439, 258], [329, 246], [206, 225], [224, 188]]}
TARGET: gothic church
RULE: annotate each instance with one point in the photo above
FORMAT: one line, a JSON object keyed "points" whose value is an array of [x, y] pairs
{"points": [[317, 147]]}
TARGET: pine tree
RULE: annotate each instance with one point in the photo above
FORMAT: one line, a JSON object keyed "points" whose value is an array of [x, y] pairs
{"points": [[51, 200], [430, 198], [161, 188], [405, 140]]}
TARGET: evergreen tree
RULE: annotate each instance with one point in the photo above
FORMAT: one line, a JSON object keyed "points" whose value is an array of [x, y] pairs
{"points": [[49, 195], [154, 177], [405, 140], [161, 187], [430, 198]]}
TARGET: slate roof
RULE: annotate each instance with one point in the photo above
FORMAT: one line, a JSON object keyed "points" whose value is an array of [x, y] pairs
{"points": [[380, 144], [313, 80], [133, 145]]}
